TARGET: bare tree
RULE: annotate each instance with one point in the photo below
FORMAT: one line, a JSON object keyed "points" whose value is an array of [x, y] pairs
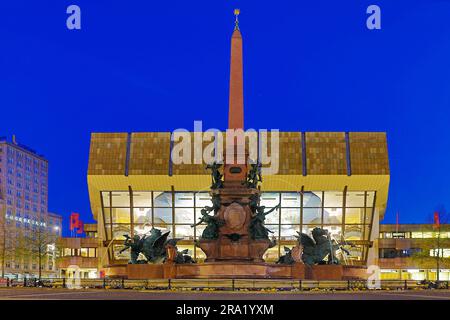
{"points": [[12, 243], [432, 254], [14, 247], [41, 246], [440, 216]]}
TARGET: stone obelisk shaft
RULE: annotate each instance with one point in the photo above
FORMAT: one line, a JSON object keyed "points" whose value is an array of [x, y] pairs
{"points": [[236, 100]]}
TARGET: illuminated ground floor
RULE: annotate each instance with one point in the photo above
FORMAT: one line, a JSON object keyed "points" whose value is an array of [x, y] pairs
{"points": [[79, 273], [347, 215], [415, 274]]}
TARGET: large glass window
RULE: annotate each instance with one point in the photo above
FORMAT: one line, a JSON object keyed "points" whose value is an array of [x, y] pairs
{"points": [[274, 230], [163, 216], [120, 215], [184, 199], [312, 199], [120, 230], [355, 199], [290, 215], [370, 198], [270, 199], [368, 215], [177, 211], [354, 215], [335, 231], [142, 215], [332, 215], [184, 231], [289, 232], [106, 199], [107, 215], [142, 229], [162, 199], [184, 215], [291, 200], [142, 199], [353, 232], [202, 199], [312, 215], [333, 199], [120, 199], [118, 255], [273, 217]]}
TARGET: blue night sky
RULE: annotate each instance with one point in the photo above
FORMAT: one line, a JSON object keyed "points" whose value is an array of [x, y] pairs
{"points": [[160, 65]]}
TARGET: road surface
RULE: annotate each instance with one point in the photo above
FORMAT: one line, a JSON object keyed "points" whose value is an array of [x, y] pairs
{"points": [[92, 294]]}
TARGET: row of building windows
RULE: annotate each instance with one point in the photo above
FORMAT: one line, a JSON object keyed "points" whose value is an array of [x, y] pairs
{"points": [[19, 155], [81, 252], [414, 235], [27, 186], [43, 192], [27, 205], [414, 274], [27, 168], [388, 253], [27, 176], [316, 208], [49, 266], [310, 199]]}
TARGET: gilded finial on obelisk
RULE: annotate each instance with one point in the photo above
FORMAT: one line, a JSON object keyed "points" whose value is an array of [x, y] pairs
{"points": [[236, 22]]}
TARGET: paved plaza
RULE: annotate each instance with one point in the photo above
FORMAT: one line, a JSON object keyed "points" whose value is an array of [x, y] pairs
{"points": [[92, 294]]}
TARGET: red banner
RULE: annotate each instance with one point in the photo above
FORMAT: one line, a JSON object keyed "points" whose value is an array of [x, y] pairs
{"points": [[75, 223], [74, 220], [437, 223], [80, 227]]}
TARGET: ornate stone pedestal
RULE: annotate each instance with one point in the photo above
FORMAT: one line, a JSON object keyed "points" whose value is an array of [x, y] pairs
{"points": [[225, 249], [238, 270], [216, 270], [235, 243], [335, 272]]}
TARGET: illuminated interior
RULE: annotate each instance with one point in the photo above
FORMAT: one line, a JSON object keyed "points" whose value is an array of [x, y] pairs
{"points": [[346, 215]]}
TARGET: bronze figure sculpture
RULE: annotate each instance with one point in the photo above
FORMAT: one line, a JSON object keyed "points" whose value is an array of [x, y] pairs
{"points": [[216, 176], [319, 247], [154, 248], [212, 224], [257, 228], [287, 257], [254, 176], [135, 246]]}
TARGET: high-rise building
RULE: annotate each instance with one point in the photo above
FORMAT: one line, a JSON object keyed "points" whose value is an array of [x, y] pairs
{"points": [[25, 224]]}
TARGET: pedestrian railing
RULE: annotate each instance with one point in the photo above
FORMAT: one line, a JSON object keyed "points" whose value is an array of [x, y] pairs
{"points": [[226, 284]]}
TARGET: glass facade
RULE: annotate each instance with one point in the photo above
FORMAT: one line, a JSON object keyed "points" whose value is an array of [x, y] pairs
{"points": [[347, 215]]}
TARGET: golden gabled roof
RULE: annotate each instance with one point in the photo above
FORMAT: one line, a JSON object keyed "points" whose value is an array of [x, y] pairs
{"points": [[312, 160]]}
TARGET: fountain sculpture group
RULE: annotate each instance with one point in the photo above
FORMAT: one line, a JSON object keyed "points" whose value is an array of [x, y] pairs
{"points": [[235, 237]]}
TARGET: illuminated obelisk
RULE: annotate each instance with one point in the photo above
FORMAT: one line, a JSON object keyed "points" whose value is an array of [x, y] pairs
{"points": [[236, 99], [235, 169], [237, 198]]}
